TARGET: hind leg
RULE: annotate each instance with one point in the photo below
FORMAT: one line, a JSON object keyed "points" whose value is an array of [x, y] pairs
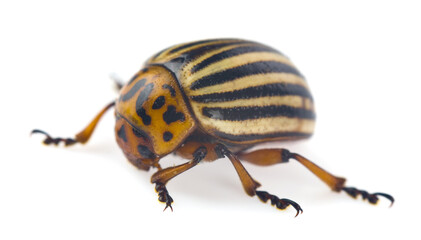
{"points": [[82, 137], [266, 157]]}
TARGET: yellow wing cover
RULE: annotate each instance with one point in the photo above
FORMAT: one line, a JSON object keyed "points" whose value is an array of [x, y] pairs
{"points": [[241, 91]]}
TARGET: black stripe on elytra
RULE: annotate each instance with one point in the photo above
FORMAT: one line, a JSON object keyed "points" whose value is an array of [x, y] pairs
{"points": [[175, 64], [194, 53], [158, 53], [133, 90], [171, 115], [122, 133], [184, 46], [171, 89], [231, 53], [159, 102], [255, 112], [267, 90], [145, 152], [253, 68], [251, 137]]}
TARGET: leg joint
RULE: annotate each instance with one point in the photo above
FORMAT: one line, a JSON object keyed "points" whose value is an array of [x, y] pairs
{"points": [[286, 155], [199, 154], [221, 150]]}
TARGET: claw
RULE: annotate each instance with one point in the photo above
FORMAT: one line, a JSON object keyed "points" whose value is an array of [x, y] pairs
{"points": [[168, 202], [49, 140], [163, 196], [279, 203], [372, 198], [293, 204], [387, 196], [168, 205], [39, 131]]}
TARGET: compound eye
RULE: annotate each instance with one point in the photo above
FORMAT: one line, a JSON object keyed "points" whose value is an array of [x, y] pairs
{"points": [[145, 152]]}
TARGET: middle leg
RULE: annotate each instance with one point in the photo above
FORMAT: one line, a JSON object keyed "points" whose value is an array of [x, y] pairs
{"points": [[250, 185]]}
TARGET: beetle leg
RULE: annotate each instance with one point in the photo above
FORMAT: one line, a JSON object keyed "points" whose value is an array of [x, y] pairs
{"points": [[250, 185], [161, 177], [82, 137], [279, 203], [265, 157], [371, 197], [163, 195]]}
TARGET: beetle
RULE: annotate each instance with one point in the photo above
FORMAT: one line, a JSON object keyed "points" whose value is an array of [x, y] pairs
{"points": [[211, 99]]}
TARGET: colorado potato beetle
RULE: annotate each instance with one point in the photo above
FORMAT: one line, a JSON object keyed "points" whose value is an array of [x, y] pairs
{"points": [[211, 99]]}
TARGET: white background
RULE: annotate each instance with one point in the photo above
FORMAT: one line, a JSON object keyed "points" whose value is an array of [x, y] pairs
{"points": [[362, 61]]}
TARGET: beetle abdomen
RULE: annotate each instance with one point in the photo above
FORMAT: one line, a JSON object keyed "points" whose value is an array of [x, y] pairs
{"points": [[242, 91]]}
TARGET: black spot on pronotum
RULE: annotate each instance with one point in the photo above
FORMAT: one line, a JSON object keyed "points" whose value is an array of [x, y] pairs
{"points": [[132, 79], [159, 102], [122, 134], [167, 136], [140, 110], [143, 96], [145, 152], [146, 119], [133, 90], [136, 75], [171, 89], [171, 115]]}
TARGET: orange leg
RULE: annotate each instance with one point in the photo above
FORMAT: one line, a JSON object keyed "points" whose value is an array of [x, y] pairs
{"points": [[82, 137], [250, 185], [210, 152], [161, 177], [267, 157]]}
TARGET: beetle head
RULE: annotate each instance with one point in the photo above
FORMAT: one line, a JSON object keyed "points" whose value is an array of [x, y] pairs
{"points": [[153, 107], [136, 144]]}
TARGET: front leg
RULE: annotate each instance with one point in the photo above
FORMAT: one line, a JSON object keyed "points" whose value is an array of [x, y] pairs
{"points": [[161, 177], [82, 137], [163, 195]]}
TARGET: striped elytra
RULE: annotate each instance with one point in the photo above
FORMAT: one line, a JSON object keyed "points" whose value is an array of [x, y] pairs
{"points": [[241, 91]]}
